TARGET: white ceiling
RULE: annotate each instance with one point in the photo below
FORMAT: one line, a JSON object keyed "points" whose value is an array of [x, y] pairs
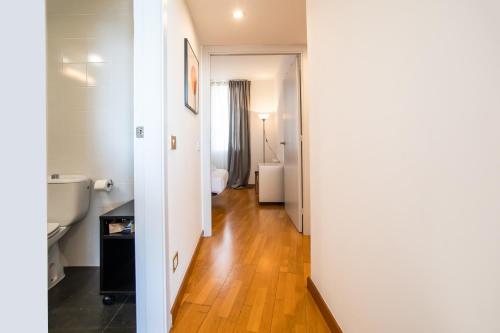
{"points": [[266, 22], [251, 67]]}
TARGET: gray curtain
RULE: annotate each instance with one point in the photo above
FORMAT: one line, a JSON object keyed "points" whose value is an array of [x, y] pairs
{"points": [[239, 134]]}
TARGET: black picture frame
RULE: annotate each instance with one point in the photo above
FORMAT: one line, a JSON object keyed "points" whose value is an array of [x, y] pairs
{"points": [[190, 59]]}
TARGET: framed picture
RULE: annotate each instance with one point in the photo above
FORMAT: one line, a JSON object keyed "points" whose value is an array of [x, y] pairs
{"points": [[191, 74]]}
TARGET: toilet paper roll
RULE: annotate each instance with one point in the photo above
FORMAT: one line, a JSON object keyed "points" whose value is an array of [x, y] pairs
{"points": [[103, 185]]}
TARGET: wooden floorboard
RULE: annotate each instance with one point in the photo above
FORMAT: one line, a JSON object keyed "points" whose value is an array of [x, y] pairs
{"points": [[250, 276]]}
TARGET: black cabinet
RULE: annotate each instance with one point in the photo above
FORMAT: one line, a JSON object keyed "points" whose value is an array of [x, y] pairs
{"points": [[118, 252]]}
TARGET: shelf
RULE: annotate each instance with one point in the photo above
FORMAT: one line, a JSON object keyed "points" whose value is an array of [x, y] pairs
{"points": [[119, 236], [117, 256]]}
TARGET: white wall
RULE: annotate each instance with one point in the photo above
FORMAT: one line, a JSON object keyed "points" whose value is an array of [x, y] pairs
{"points": [[90, 119], [183, 165], [23, 252], [405, 174], [262, 99]]}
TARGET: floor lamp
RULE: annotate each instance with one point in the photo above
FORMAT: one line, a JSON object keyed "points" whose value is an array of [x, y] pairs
{"points": [[264, 117]]}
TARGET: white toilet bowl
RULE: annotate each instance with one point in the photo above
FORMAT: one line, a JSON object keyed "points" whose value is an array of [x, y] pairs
{"points": [[55, 233], [55, 267], [68, 203]]}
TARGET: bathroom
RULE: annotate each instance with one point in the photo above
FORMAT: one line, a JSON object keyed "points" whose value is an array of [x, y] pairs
{"points": [[89, 138]]}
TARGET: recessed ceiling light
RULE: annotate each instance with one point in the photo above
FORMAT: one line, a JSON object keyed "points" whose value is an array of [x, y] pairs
{"points": [[238, 14]]}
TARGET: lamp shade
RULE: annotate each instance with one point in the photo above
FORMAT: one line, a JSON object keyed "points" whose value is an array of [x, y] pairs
{"points": [[263, 116]]}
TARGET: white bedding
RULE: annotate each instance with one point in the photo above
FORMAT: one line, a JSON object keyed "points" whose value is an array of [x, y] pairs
{"points": [[219, 180]]}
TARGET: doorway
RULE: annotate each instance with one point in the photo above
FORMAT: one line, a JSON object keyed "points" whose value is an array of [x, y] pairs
{"points": [[90, 165], [222, 65]]}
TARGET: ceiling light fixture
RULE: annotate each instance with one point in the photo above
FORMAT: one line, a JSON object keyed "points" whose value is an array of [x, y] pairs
{"points": [[238, 14]]}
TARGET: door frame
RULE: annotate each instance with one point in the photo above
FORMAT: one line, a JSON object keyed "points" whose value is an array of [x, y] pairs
{"points": [[205, 106], [151, 242], [299, 131]]}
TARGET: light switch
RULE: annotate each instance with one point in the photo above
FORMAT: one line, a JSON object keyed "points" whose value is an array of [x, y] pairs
{"points": [[173, 142]]}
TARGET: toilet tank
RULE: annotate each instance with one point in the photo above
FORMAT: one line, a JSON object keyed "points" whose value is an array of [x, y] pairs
{"points": [[68, 198]]}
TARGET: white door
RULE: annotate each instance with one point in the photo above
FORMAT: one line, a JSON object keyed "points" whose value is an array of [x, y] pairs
{"points": [[292, 149]]}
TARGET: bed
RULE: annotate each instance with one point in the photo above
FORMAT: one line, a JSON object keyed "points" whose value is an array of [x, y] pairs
{"points": [[219, 180]]}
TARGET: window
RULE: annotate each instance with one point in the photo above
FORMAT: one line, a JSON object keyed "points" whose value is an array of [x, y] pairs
{"points": [[220, 124]]}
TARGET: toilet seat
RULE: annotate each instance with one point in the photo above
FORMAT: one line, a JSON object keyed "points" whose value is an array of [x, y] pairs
{"points": [[52, 229], [55, 271]]}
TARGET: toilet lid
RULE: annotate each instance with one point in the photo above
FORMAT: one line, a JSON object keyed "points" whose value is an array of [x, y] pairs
{"points": [[52, 228]]}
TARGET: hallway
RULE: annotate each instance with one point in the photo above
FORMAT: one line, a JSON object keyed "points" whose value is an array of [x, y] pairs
{"points": [[251, 275]]}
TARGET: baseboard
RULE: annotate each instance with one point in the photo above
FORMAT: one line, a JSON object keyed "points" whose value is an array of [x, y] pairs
{"points": [[178, 299], [323, 308]]}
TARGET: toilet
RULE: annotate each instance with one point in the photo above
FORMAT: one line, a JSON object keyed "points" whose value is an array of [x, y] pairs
{"points": [[68, 199]]}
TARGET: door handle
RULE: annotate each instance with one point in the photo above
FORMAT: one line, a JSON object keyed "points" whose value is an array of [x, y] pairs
{"points": [[283, 143]]}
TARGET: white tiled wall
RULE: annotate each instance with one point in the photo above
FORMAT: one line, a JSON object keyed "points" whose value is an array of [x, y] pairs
{"points": [[90, 119]]}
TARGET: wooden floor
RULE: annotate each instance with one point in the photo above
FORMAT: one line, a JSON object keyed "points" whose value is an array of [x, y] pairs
{"points": [[251, 275]]}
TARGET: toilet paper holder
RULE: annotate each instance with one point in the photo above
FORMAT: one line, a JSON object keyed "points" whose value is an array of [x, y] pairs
{"points": [[103, 185]]}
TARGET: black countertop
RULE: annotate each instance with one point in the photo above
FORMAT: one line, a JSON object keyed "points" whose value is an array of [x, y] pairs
{"points": [[124, 211]]}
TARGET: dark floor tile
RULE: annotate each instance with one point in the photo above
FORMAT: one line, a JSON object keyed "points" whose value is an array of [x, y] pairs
{"points": [[125, 318], [81, 318], [75, 304], [78, 281], [66, 330], [120, 330]]}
